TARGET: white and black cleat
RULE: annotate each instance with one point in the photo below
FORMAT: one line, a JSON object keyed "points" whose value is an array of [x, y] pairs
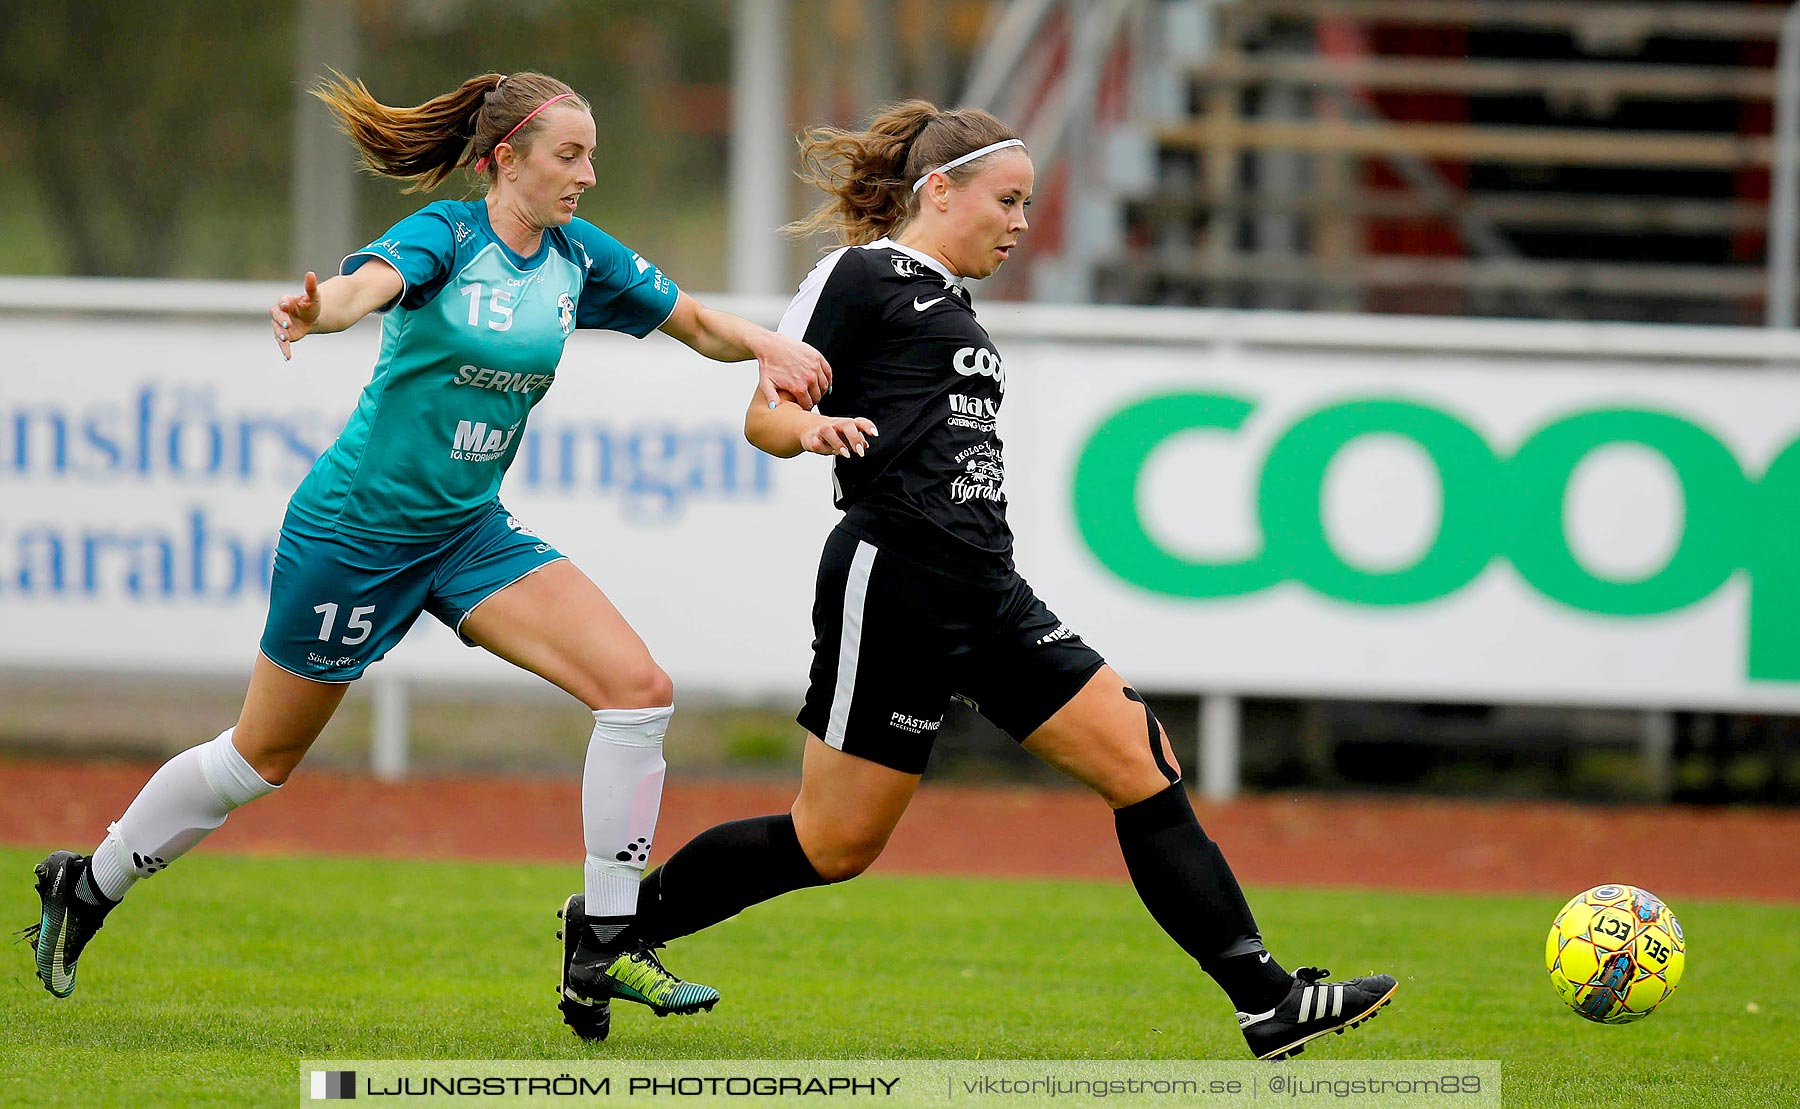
{"points": [[1312, 1008]]}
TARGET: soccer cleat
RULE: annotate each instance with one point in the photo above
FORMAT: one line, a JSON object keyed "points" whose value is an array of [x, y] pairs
{"points": [[593, 976], [589, 1019], [638, 975], [68, 922], [1312, 1008]]}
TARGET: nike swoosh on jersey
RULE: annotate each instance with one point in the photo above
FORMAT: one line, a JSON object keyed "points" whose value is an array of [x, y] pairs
{"points": [[918, 307]]}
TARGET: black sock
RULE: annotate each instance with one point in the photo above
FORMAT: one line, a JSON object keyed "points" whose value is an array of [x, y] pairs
{"points": [[606, 930], [89, 894], [720, 873], [1254, 981], [1184, 881]]}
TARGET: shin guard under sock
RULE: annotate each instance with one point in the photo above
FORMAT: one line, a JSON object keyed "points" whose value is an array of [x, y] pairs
{"points": [[721, 872], [178, 807], [621, 795], [1184, 881]]}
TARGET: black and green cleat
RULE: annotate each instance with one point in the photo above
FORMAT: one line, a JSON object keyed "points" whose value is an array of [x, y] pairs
{"points": [[67, 923], [592, 976]]}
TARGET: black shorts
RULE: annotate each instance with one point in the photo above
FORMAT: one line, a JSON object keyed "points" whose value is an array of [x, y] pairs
{"points": [[894, 641]]}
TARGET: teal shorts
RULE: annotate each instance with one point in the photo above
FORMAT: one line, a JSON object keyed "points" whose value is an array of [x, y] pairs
{"points": [[337, 603]]}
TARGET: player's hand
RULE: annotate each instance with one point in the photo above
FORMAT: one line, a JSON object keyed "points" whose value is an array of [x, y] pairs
{"points": [[293, 316], [839, 436], [788, 366]]}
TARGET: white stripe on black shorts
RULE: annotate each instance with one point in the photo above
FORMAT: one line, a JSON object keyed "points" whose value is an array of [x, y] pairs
{"points": [[893, 641]]}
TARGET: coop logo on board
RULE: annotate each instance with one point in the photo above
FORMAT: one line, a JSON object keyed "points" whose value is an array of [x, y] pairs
{"points": [[1494, 504]]}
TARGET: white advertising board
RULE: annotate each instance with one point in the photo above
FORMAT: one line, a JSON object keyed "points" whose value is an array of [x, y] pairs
{"points": [[1579, 522], [145, 466], [1430, 527]]}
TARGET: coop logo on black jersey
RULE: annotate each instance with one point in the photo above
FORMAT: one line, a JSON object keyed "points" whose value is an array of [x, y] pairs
{"points": [[980, 362]]}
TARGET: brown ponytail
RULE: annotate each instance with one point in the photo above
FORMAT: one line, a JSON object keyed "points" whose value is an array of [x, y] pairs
{"points": [[870, 174], [425, 144]]}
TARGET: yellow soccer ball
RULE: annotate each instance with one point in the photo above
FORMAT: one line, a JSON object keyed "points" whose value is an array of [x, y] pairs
{"points": [[1615, 953]]}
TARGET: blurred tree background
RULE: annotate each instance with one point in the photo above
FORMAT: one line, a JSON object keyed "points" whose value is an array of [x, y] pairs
{"points": [[158, 140], [123, 154], [656, 74]]}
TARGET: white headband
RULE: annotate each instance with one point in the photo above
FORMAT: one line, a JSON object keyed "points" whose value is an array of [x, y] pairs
{"points": [[969, 157]]}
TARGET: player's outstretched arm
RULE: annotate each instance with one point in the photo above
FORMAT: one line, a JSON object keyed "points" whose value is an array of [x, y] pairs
{"points": [[784, 365], [335, 305], [787, 429]]}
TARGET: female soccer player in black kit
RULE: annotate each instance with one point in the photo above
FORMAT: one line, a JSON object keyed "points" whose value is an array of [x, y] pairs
{"points": [[917, 598]]}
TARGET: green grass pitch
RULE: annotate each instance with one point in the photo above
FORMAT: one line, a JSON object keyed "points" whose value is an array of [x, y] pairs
{"points": [[213, 981]]}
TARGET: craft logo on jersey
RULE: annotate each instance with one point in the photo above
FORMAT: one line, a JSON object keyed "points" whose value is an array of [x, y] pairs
{"points": [[476, 442], [642, 264], [565, 312], [980, 362], [908, 267]]}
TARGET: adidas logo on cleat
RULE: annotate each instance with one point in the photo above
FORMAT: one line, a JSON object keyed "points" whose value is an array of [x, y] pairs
{"points": [[1312, 1008]]}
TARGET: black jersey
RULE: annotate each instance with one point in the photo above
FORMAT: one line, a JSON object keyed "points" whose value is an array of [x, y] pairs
{"points": [[906, 352]]}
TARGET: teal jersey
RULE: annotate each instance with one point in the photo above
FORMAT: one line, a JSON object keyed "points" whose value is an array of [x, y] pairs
{"points": [[467, 349]]}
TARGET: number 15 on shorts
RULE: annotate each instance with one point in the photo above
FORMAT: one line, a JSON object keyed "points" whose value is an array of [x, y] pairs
{"points": [[358, 623]]}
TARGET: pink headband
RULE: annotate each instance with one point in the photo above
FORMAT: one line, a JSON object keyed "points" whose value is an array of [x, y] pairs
{"points": [[481, 163]]}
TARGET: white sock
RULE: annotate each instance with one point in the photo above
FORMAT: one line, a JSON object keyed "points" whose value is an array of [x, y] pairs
{"points": [[178, 806], [621, 793]]}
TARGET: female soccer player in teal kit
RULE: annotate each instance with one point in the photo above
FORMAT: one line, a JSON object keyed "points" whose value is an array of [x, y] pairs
{"points": [[401, 515]]}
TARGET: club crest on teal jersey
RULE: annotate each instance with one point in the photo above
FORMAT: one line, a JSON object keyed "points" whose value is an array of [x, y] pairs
{"points": [[565, 312]]}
